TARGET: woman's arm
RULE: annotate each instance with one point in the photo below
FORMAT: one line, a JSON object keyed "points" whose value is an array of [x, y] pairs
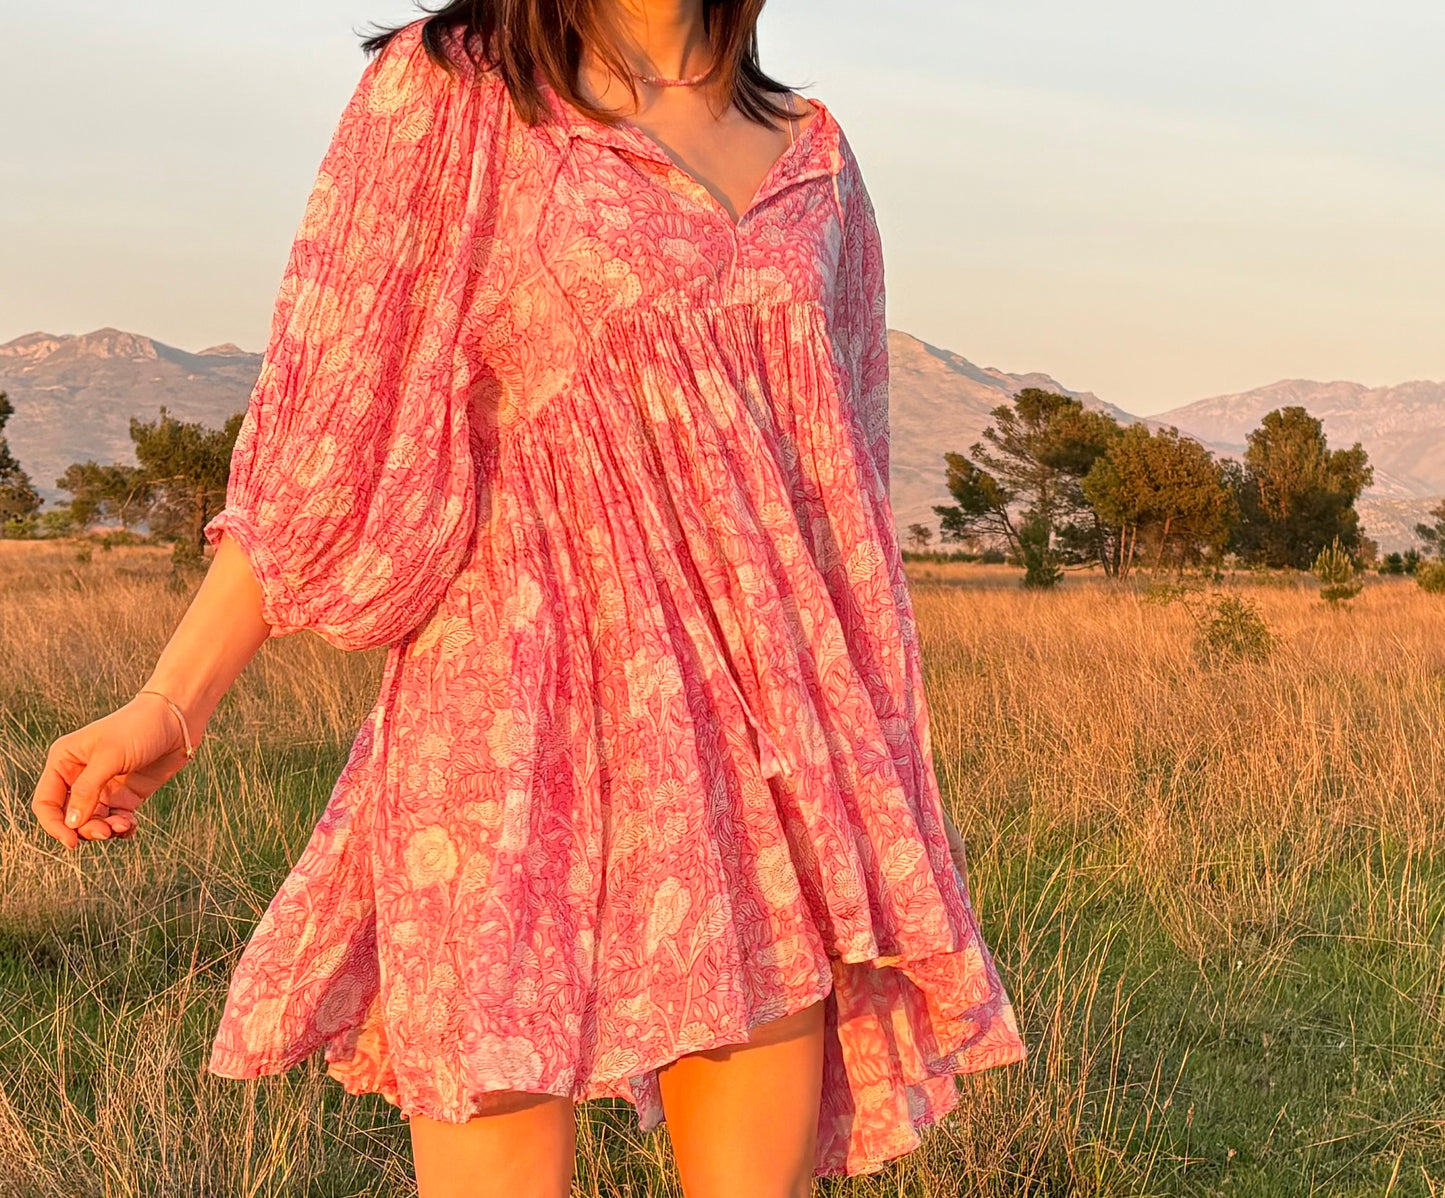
{"points": [[95, 777], [352, 488], [351, 499], [219, 633]]}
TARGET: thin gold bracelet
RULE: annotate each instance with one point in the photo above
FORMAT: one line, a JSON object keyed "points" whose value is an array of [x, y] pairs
{"points": [[180, 715]]}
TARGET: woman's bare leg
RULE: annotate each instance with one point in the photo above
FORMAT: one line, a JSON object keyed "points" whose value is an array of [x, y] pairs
{"points": [[744, 1118], [523, 1147]]}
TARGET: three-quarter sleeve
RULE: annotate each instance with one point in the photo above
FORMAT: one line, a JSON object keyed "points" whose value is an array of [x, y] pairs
{"points": [[351, 488], [861, 316]]}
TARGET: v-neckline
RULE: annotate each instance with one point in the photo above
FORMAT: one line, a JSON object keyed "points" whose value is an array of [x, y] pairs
{"points": [[793, 147], [626, 135]]}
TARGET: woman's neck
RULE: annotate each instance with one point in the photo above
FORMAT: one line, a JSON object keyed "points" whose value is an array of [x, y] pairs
{"points": [[663, 36]]}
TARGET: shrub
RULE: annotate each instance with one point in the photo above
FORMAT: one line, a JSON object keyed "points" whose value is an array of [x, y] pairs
{"points": [[187, 555], [1165, 593], [1338, 574], [1232, 629], [1042, 568], [57, 523], [1431, 577], [120, 537]]}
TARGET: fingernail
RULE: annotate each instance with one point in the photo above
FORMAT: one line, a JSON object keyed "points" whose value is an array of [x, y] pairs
{"points": [[72, 818]]}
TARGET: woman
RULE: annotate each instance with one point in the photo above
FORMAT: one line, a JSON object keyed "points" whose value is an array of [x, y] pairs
{"points": [[576, 400]]}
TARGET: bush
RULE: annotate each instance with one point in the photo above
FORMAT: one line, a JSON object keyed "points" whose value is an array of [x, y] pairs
{"points": [[1165, 593], [1400, 563], [1338, 574], [940, 556], [1232, 629], [1431, 577], [1042, 570], [57, 523]]}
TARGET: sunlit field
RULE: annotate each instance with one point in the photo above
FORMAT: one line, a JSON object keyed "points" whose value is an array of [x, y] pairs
{"points": [[1216, 892]]}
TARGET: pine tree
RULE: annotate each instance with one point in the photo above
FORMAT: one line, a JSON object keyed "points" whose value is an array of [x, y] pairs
{"points": [[1023, 484], [1297, 496], [113, 491], [1338, 574], [185, 466], [1164, 492], [19, 500], [1434, 534]]}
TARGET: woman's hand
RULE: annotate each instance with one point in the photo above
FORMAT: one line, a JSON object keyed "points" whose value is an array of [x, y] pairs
{"points": [[96, 777]]}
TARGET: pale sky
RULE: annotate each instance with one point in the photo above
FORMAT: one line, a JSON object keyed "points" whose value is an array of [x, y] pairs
{"points": [[1154, 201]]}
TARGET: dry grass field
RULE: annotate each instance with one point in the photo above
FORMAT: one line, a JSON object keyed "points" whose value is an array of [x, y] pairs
{"points": [[1217, 894]]}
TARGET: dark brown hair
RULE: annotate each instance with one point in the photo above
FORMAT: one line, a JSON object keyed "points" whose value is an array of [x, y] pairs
{"points": [[528, 39]]}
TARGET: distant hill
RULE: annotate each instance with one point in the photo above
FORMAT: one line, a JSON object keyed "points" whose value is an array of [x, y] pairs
{"points": [[74, 397], [1402, 427], [940, 401]]}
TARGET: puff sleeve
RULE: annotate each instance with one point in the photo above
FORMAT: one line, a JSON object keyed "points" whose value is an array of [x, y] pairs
{"points": [[351, 487], [861, 313]]}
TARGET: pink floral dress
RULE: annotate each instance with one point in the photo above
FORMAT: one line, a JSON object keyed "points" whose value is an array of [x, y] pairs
{"points": [[606, 473]]}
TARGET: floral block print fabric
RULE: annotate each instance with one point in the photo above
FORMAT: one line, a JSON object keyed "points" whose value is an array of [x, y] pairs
{"points": [[607, 474]]}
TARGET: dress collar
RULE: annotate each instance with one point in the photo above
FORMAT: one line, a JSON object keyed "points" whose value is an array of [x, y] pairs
{"points": [[815, 153]]}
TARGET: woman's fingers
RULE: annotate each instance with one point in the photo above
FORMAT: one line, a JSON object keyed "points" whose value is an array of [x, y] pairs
{"points": [[129, 791], [111, 817], [91, 784], [95, 829], [96, 777], [122, 824], [114, 817], [49, 802], [64, 765]]}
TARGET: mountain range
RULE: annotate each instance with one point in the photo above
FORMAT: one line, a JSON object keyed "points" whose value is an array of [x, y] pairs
{"points": [[940, 401], [74, 397]]}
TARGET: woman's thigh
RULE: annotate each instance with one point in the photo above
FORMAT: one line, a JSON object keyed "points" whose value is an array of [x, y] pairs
{"points": [[522, 1147], [744, 1118]]}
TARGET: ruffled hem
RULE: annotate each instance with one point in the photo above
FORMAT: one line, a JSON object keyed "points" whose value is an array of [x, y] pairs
{"points": [[862, 1128]]}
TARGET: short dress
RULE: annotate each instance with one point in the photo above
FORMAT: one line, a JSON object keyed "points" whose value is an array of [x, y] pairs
{"points": [[606, 473]]}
